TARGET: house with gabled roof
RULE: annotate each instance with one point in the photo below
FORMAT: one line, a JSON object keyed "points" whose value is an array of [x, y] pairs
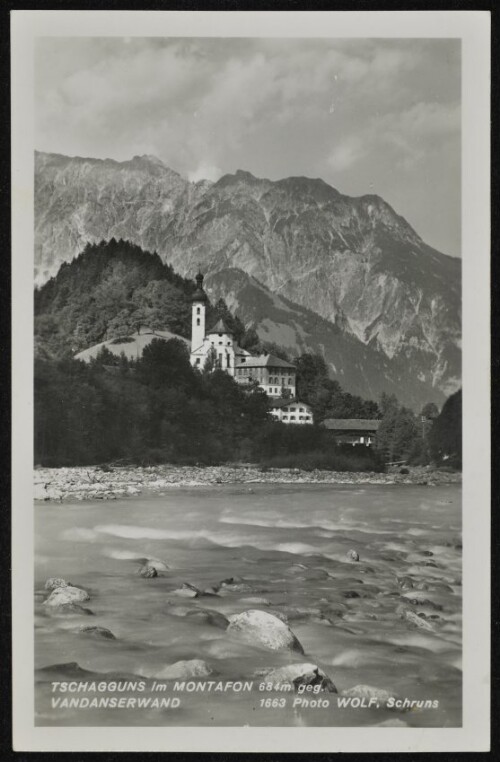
{"points": [[291, 411]]}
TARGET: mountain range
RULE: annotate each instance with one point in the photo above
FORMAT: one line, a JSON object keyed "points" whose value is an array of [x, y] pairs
{"points": [[308, 267]]}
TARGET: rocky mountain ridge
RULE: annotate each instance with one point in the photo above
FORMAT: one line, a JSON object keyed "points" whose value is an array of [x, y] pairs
{"points": [[353, 261]]}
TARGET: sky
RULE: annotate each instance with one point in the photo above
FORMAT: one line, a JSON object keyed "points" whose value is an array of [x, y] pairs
{"points": [[366, 115]]}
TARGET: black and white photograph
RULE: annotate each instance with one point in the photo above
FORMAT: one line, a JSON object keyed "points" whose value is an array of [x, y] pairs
{"points": [[247, 369]]}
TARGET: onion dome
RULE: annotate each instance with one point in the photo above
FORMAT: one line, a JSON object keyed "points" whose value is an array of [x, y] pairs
{"points": [[199, 295]]}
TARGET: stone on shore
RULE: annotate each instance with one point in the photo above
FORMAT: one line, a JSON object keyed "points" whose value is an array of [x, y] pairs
{"points": [[260, 628], [64, 595], [301, 675], [353, 555]]}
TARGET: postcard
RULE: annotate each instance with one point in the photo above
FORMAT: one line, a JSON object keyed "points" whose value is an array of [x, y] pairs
{"points": [[251, 381]]}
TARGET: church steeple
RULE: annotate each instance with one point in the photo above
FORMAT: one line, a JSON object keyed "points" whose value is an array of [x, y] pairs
{"points": [[199, 300]]}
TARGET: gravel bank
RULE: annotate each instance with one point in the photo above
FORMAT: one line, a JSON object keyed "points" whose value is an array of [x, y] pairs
{"points": [[91, 483]]}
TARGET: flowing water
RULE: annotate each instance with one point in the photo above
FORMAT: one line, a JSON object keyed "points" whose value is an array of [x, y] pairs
{"points": [[285, 546]]}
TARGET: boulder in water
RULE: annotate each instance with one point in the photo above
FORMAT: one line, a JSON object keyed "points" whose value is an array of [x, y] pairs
{"points": [[97, 632], [209, 616], [54, 582], [255, 601], [191, 668], [301, 675], [69, 594], [369, 692], [147, 571], [260, 628], [417, 620], [212, 590], [187, 591], [352, 555], [231, 581], [420, 598], [405, 583]]}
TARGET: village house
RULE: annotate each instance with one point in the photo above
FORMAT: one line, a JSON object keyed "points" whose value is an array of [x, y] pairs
{"points": [[353, 431], [291, 411]]}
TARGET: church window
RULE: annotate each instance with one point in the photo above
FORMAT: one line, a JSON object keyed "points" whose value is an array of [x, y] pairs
{"points": [[198, 310], [197, 321], [229, 343], [198, 360], [220, 360], [243, 359], [220, 334], [228, 361], [220, 342], [289, 382]]}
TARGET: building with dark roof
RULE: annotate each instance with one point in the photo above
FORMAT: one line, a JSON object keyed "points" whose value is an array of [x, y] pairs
{"points": [[276, 376], [353, 430]]}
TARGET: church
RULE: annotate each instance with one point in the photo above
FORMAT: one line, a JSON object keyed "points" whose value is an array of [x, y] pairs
{"points": [[274, 375]]}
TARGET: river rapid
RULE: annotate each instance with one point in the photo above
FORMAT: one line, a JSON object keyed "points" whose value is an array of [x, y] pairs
{"points": [[391, 620]]}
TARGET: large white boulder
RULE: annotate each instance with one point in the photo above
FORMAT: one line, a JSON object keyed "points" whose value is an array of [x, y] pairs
{"points": [[64, 595], [260, 628]]}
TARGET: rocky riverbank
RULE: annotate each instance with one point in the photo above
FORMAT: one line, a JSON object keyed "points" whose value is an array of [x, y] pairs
{"points": [[93, 482]]}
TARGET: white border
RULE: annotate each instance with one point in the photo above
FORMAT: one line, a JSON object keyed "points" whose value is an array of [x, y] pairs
{"points": [[474, 29]]}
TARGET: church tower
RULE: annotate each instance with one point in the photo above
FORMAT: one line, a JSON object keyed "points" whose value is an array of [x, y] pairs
{"points": [[199, 301]]}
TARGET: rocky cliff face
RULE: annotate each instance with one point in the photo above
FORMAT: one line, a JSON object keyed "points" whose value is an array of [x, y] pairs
{"points": [[352, 261]]}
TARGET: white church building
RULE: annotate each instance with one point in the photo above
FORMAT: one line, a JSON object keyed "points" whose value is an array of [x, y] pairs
{"points": [[274, 375]]}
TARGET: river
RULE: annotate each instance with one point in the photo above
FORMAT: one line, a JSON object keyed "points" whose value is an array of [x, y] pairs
{"points": [[285, 546]]}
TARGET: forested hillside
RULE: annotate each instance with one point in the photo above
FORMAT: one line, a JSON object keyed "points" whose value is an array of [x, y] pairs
{"points": [[109, 290]]}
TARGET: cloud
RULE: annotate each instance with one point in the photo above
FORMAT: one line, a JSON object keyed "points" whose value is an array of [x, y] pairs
{"points": [[187, 100], [346, 154], [205, 171], [409, 136]]}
